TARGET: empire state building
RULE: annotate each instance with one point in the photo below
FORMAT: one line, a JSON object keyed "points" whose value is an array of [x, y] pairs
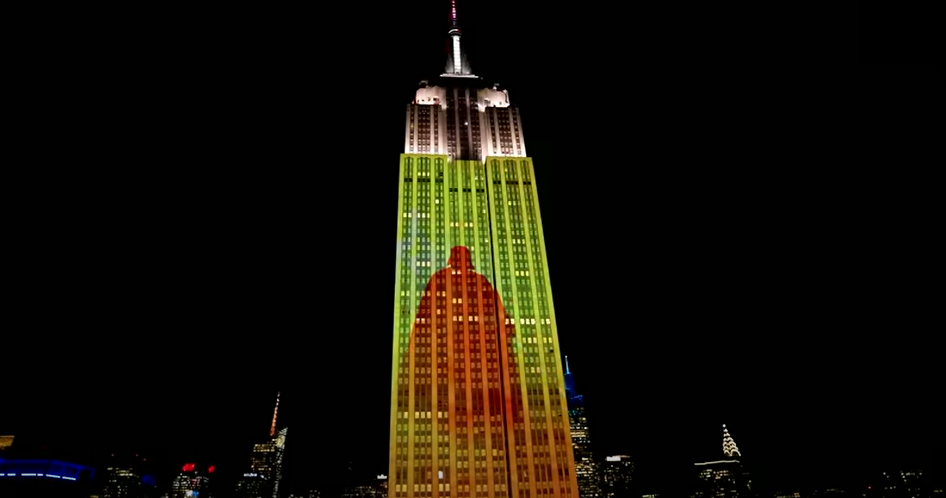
{"points": [[478, 405]]}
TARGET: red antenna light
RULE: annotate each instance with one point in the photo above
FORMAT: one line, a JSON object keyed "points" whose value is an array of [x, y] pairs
{"points": [[210, 470], [188, 467]]}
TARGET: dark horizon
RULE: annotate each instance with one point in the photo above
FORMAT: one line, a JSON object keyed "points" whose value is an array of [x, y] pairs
{"points": [[181, 249]]}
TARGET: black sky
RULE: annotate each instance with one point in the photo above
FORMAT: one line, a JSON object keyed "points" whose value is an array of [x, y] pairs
{"points": [[205, 206], [900, 35]]}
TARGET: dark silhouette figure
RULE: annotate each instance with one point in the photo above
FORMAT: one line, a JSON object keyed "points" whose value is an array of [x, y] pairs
{"points": [[462, 362]]}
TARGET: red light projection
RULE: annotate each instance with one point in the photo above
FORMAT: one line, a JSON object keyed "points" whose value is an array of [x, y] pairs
{"points": [[486, 330], [188, 467], [210, 470]]}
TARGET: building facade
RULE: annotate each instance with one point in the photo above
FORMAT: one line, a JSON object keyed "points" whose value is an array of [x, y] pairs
{"points": [[377, 488], [617, 476], [906, 483], [192, 482], [586, 468], [478, 404], [121, 482], [265, 470], [126, 475]]}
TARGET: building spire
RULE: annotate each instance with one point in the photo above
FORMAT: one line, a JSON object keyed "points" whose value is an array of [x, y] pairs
{"points": [[272, 428], [453, 16], [729, 446], [571, 396], [456, 60]]}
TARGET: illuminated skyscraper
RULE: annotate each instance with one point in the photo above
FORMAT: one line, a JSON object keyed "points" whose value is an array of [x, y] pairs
{"points": [[724, 478], [127, 475], [586, 468], [122, 482], [265, 474], [617, 476], [192, 482], [478, 405]]}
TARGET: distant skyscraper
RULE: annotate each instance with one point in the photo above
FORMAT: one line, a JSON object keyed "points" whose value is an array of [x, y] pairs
{"points": [[265, 474], [586, 468], [724, 478], [121, 482], [478, 407], [126, 476], [378, 488], [617, 476], [906, 483], [191, 482]]}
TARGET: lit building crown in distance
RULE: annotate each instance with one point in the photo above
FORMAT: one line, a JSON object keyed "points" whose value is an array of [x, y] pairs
{"points": [[725, 477], [265, 473], [729, 446]]}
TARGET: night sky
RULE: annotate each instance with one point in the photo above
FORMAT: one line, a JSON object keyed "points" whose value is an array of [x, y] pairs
{"points": [[205, 213], [901, 34]]}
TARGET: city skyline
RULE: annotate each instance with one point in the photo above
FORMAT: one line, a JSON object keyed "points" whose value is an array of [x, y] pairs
{"points": [[181, 244], [359, 474]]}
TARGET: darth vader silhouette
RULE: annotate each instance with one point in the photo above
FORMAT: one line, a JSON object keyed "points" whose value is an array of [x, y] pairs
{"points": [[462, 361]]}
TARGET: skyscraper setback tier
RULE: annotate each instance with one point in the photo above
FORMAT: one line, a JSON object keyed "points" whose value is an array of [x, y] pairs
{"points": [[477, 394]]}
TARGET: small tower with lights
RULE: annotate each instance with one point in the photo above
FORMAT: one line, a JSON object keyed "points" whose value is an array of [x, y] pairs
{"points": [[723, 477], [729, 445]]}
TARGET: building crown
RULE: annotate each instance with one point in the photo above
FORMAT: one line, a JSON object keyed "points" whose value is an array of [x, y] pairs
{"points": [[729, 445]]}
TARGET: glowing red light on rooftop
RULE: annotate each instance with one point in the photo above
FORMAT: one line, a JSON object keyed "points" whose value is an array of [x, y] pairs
{"points": [[188, 467], [210, 470]]}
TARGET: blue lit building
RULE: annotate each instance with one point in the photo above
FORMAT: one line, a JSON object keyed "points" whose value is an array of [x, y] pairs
{"points": [[586, 468], [44, 477]]}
